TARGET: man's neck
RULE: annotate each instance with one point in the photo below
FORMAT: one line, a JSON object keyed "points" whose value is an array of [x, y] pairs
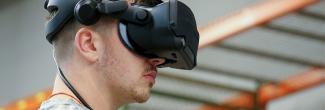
{"points": [[87, 87]]}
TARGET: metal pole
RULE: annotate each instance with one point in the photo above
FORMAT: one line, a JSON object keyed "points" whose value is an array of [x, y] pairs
{"points": [[271, 55], [297, 32], [313, 15], [203, 82]]}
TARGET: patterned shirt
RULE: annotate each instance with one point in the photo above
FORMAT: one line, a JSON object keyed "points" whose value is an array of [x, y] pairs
{"points": [[61, 104]]}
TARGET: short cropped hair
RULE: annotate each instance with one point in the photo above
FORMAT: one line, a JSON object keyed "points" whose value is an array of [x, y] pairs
{"points": [[63, 40]]}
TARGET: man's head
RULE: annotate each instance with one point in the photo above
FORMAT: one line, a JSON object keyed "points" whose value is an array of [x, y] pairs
{"points": [[117, 58], [98, 48]]}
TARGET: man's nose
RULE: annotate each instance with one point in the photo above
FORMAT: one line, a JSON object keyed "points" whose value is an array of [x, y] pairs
{"points": [[156, 61]]}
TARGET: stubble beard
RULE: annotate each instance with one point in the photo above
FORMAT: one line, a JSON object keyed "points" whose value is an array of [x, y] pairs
{"points": [[130, 91], [140, 95]]}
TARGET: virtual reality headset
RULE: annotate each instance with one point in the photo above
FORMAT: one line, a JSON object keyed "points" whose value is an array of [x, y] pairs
{"points": [[163, 30]]}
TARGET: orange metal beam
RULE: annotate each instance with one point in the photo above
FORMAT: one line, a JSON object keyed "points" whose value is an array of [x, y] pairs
{"points": [[269, 92], [248, 18], [297, 83]]}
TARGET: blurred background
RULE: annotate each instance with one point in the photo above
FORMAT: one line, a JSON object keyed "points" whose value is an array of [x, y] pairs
{"points": [[278, 65]]}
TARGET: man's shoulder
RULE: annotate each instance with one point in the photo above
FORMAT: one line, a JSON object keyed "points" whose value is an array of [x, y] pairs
{"points": [[61, 104]]}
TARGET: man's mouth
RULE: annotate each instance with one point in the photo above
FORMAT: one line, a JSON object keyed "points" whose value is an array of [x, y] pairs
{"points": [[151, 76]]}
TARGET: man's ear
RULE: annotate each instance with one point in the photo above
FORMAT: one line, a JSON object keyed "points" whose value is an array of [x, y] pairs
{"points": [[86, 43]]}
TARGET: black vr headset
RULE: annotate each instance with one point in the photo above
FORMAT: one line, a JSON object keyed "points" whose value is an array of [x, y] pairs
{"points": [[160, 30]]}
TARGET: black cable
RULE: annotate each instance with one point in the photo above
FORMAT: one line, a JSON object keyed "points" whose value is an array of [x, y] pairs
{"points": [[74, 91]]}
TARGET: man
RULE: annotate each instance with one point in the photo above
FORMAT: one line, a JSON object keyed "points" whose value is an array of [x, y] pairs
{"points": [[97, 71]]}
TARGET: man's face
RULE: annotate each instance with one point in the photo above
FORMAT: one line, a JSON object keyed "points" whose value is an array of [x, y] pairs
{"points": [[126, 73]]}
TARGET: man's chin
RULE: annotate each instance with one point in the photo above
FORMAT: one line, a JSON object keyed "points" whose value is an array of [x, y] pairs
{"points": [[142, 97], [142, 101], [141, 94]]}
